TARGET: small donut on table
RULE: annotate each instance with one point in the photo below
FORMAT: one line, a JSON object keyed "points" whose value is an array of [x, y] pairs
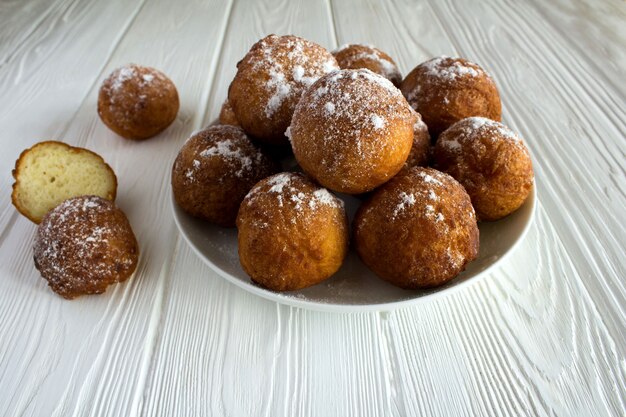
{"points": [[270, 80], [137, 102], [418, 230], [352, 131], [445, 90], [292, 233], [355, 56], [490, 161], [84, 245], [214, 171]]}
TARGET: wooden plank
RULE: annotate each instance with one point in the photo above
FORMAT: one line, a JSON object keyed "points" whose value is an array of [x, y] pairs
{"points": [[90, 356], [544, 335], [20, 21], [594, 30], [526, 363], [45, 78], [226, 352]]}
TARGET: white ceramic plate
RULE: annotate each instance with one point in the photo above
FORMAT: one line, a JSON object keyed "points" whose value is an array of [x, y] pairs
{"points": [[353, 288]]}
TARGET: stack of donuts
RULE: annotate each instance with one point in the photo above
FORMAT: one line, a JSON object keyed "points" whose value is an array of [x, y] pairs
{"points": [[84, 243], [301, 130], [426, 155]]}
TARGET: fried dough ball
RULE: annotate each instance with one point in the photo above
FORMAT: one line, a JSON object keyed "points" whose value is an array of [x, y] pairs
{"points": [[421, 149], [292, 233], [352, 131], [355, 56], [227, 116], [84, 245], [418, 230], [214, 171], [137, 102], [270, 80], [445, 90], [490, 161], [50, 172]]}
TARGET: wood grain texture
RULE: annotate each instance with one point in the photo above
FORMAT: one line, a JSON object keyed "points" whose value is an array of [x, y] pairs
{"points": [[92, 355], [544, 335], [557, 129]]}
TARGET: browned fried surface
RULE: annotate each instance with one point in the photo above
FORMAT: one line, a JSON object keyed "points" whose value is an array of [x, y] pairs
{"points": [[355, 56], [490, 161], [83, 245], [137, 102], [227, 115], [292, 233], [270, 80], [418, 230], [352, 131], [445, 90], [421, 149], [214, 171]]}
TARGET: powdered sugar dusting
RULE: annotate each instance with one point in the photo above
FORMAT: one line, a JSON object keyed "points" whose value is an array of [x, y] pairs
{"points": [[338, 98], [329, 66], [298, 76], [237, 151], [355, 110], [419, 124], [324, 197], [120, 76], [406, 200], [279, 182], [477, 123], [430, 212], [293, 64], [72, 249], [229, 150], [288, 187], [281, 88], [449, 69], [469, 131], [129, 88], [381, 81], [429, 178], [452, 144], [455, 257], [377, 121], [361, 56], [424, 199]]}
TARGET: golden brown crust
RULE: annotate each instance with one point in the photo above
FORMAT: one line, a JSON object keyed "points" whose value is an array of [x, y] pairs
{"points": [[422, 148], [137, 102], [445, 90], [84, 245], [417, 230], [352, 131], [227, 115], [214, 171], [17, 170], [354, 56], [270, 80], [490, 161], [292, 233]]}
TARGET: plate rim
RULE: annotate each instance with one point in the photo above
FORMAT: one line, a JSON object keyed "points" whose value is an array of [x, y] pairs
{"points": [[283, 298]]}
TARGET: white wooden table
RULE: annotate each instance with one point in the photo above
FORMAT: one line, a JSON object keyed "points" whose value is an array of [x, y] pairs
{"points": [[543, 335]]}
